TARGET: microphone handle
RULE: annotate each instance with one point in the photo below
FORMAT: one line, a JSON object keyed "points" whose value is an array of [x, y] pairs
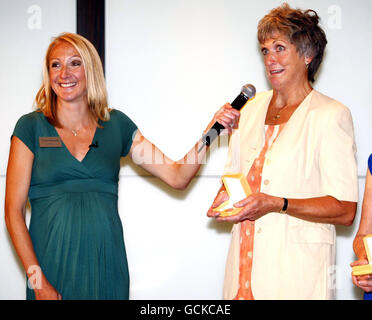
{"points": [[215, 131], [239, 101]]}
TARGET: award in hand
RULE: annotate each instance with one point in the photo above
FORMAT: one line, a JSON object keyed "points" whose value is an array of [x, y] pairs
{"points": [[237, 188]]}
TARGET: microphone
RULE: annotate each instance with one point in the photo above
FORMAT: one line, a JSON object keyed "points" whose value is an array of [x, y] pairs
{"points": [[93, 145], [248, 91]]}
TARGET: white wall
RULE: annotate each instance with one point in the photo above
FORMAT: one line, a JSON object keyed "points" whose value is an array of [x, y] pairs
{"points": [[171, 63]]}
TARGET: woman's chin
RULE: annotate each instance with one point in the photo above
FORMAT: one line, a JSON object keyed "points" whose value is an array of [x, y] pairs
{"points": [[276, 85]]}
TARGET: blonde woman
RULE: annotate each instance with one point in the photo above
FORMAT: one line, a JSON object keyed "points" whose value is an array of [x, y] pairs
{"points": [[65, 157]]}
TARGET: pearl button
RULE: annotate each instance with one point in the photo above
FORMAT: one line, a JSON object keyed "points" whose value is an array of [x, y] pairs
{"points": [[266, 182]]}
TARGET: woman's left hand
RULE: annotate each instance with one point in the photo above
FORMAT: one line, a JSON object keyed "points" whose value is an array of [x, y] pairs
{"points": [[254, 207]]}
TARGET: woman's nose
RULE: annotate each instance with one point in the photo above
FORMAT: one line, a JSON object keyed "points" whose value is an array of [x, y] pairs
{"points": [[270, 58], [64, 72]]}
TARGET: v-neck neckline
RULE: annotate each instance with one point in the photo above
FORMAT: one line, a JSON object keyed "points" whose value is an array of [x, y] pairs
{"points": [[64, 145], [292, 120], [294, 113]]}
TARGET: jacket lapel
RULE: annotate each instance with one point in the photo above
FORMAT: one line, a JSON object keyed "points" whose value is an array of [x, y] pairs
{"points": [[252, 133]]}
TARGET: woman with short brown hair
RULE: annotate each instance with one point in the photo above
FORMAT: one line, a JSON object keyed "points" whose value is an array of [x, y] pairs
{"points": [[296, 147]]}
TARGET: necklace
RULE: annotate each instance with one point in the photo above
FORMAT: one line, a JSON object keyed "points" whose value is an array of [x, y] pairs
{"points": [[277, 116], [75, 132]]}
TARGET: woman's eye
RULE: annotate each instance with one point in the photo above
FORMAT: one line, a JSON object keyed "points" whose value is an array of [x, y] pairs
{"points": [[76, 63], [54, 65], [280, 48], [264, 51]]}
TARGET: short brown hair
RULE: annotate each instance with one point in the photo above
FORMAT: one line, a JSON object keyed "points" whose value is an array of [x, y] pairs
{"points": [[301, 28], [46, 99]]}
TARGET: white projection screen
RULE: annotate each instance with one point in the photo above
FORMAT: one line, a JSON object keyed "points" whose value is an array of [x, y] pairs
{"points": [[170, 64]]}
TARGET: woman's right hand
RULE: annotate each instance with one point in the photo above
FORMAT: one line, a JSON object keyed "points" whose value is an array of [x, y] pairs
{"points": [[47, 292], [221, 197], [363, 282]]}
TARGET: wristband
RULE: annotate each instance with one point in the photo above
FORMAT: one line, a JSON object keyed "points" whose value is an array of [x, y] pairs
{"points": [[285, 206]]}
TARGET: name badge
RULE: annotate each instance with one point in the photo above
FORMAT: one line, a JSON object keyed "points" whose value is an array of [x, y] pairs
{"points": [[50, 142]]}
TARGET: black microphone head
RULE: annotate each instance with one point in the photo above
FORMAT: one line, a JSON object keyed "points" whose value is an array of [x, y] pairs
{"points": [[249, 90]]}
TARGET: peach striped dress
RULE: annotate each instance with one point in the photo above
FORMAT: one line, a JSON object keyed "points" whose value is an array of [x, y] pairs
{"points": [[247, 226]]}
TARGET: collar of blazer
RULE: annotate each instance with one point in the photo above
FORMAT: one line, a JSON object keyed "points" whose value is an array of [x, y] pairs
{"points": [[252, 125]]}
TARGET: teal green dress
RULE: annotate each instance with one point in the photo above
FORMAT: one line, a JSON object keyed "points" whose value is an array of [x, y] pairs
{"points": [[75, 225]]}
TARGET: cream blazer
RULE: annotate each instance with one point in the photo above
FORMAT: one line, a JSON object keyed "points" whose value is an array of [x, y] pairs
{"points": [[313, 156]]}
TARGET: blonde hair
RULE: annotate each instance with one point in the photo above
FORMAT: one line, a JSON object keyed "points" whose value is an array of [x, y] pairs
{"points": [[46, 99]]}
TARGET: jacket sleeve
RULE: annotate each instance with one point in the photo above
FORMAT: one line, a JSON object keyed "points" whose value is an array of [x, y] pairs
{"points": [[337, 157]]}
